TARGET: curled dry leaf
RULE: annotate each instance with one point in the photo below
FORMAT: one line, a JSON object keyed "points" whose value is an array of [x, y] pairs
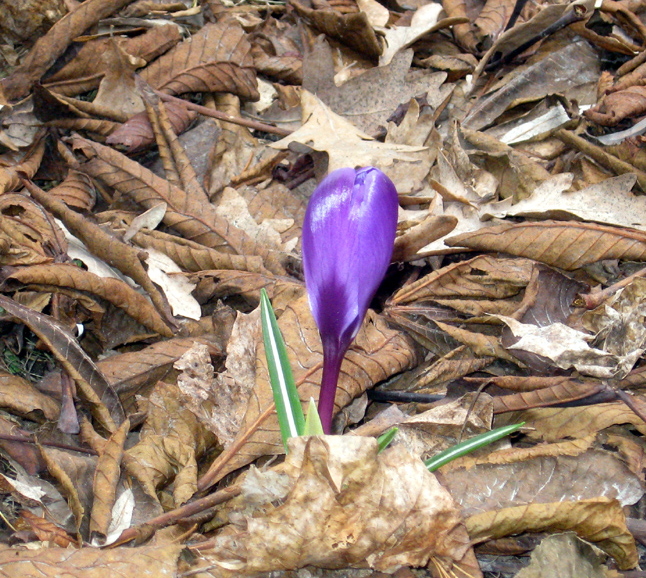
{"points": [[92, 384], [600, 521], [106, 478], [172, 439], [400, 514], [49, 47], [21, 397], [352, 29]]}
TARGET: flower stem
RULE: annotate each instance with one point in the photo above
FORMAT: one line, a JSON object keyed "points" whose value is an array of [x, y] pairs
{"points": [[331, 369]]}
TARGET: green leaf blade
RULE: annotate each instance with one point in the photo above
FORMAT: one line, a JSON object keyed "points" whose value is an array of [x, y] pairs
{"points": [[288, 404], [470, 445]]}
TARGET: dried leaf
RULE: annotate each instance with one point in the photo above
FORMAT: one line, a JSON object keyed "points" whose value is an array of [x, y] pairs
{"points": [[20, 396], [600, 521], [406, 515], [158, 560], [92, 385], [49, 47], [568, 245]]}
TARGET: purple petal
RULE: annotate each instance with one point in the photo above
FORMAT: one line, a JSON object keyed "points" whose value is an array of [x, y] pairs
{"points": [[348, 237]]}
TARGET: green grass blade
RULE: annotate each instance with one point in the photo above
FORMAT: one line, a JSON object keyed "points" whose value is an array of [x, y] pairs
{"points": [[288, 404], [313, 425], [385, 438], [470, 445]]}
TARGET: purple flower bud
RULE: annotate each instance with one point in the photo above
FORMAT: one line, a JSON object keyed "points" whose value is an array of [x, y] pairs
{"points": [[348, 236]]}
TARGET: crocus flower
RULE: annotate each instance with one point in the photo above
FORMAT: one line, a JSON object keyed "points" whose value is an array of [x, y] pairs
{"points": [[348, 236]]}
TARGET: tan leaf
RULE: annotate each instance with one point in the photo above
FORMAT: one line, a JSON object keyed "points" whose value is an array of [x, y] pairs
{"points": [[106, 478], [600, 521], [172, 439], [400, 516], [351, 29], [325, 131], [568, 245], [377, 353], [158, 560], [551, 424], [21, 397], [113, 290], [45, 530], [543, 480]]}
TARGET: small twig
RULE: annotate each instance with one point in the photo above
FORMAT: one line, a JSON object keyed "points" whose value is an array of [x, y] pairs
{"points": [[181, 513], [253, 124], [26, 440], [593, 300]]}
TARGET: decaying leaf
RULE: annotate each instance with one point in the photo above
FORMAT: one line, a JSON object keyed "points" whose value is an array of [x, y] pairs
{"points": [[404, 517]]}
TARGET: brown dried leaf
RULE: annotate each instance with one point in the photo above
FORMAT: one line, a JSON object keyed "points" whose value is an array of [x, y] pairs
{"points": [[491, 21], [49, 47], [600, 521], [567, 391], [377, 353], [568, 245], [21, 397], [617, 106], [88, 65], [192, 256], [45, 530], [484, 276], [134, 372], [92, 385], [216, 59], [172, 439], [354, 29], [136, 134], [106, 478], [74, 474], [115, 291], [543, 480], [25, 161], [552, 424], [157, 560], [405, 518], [194, 217], [77, 190]]}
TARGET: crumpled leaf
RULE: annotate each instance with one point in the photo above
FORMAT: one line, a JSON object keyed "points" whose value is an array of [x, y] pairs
{"points": [[400, 514], [172, 439], [49, 47], [568, 348], [610, 202], [325, 131], [619, 322]]}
